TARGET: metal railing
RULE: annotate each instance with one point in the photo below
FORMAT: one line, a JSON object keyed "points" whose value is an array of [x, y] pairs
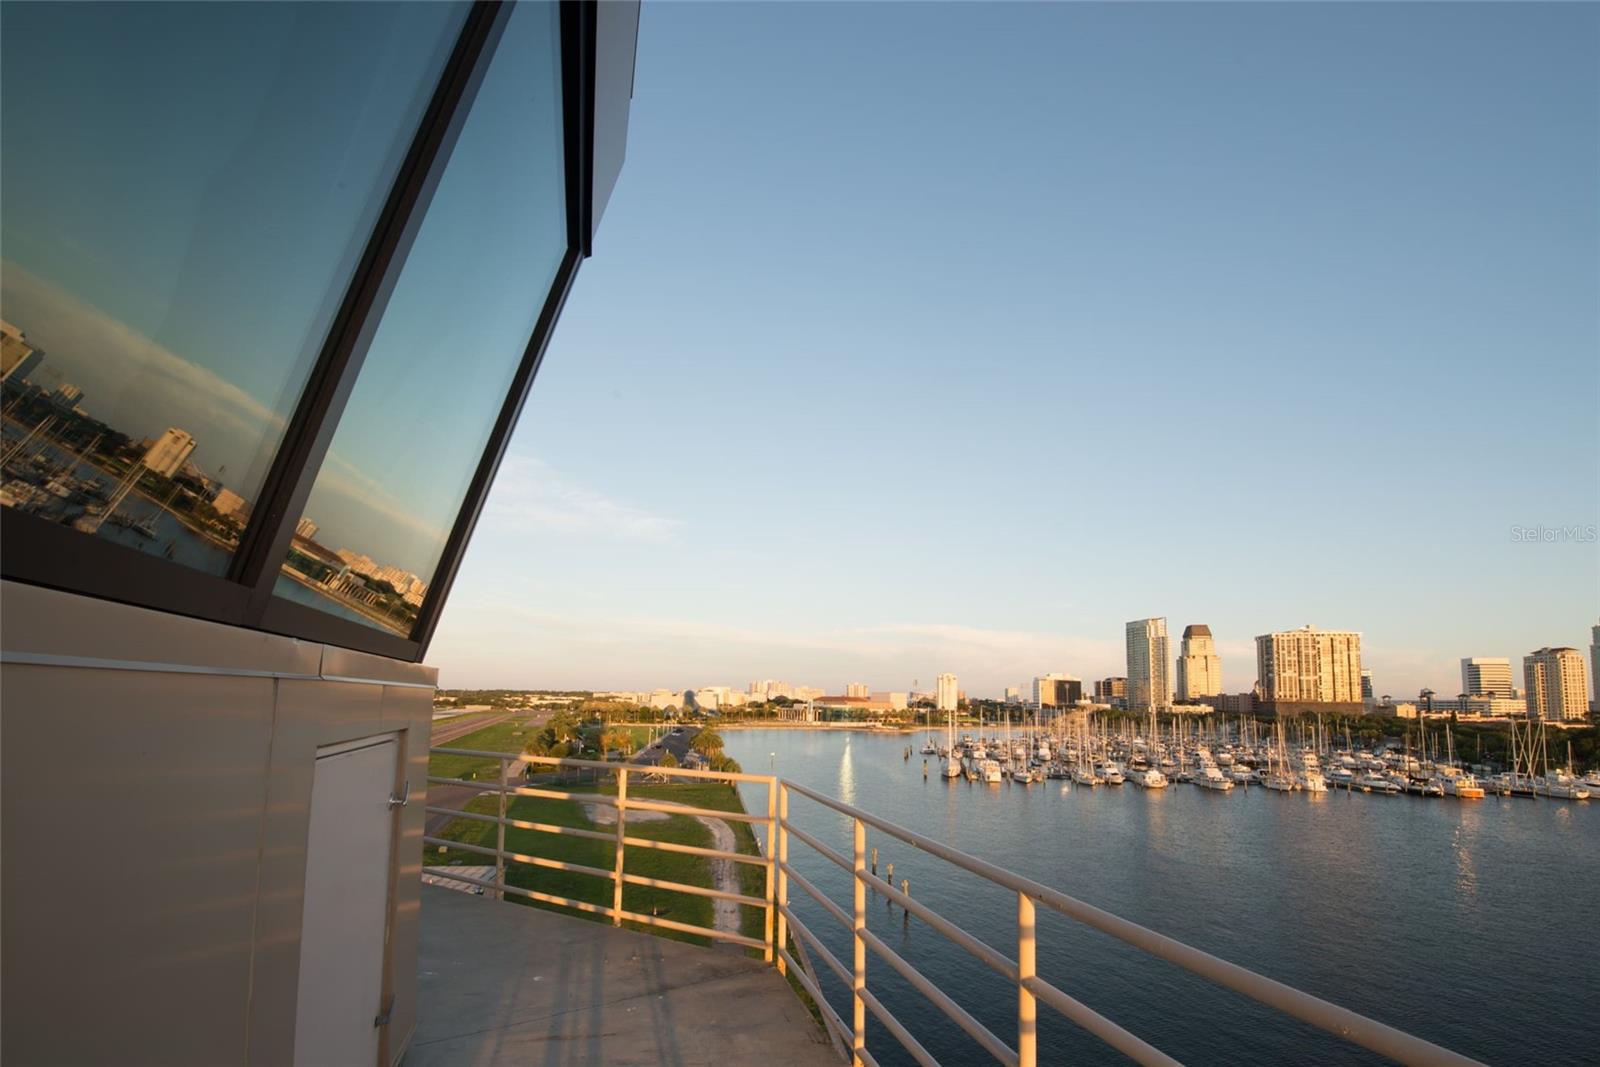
{"points": [[784, 928], [504, 789]]}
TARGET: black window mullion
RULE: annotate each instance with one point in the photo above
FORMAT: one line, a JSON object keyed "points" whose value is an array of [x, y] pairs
{"points": [[267, 537]]}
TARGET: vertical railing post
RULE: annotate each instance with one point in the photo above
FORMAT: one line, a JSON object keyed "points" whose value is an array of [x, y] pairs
{"points": [[772, 863], [622, 810], [1027, 1007], [500, 838], [782, 937], [858, 1041]]}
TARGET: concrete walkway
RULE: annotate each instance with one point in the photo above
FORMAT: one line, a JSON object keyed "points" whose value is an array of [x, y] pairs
{"points": [[500, 983]]}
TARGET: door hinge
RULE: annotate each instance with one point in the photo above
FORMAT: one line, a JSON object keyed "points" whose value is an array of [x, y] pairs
{"points": [[382, 1019]]}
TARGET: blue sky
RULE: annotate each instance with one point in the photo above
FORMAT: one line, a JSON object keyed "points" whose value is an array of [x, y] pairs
{"points": [[950, 337]]}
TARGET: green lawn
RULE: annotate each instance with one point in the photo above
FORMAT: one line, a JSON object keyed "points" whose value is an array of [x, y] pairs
{"points": [[507, 736], [651, 863]]}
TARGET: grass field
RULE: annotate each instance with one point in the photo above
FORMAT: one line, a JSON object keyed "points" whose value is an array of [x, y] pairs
{"points": [[651, 863], [507, 736]]}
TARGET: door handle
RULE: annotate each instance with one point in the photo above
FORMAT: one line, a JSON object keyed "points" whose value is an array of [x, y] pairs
{"points": [[403, 799]]}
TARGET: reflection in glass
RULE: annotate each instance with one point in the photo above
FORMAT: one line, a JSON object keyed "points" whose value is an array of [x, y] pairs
{"points": [[188, 188], [446, 349]]}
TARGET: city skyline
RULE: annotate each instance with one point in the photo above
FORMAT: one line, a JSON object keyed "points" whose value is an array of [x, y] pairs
{"points": [[814, 445]]}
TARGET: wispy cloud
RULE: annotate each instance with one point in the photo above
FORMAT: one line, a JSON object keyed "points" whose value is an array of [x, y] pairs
{"points": [[528, 493]]}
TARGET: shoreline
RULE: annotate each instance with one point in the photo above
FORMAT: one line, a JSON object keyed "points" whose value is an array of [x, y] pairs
{"points": [[866, 726]]}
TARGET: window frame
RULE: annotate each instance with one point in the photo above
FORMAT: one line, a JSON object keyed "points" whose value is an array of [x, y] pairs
{"points": [[43, 553]]}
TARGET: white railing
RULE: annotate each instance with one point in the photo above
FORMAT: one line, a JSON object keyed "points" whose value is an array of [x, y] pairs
{"points": [[784, 928]]}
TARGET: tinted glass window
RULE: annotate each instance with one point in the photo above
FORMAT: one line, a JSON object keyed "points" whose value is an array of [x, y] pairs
{"points": [[187, 189], [444, 354]]}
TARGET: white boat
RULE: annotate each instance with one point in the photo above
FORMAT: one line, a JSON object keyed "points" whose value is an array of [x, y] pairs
{"points": [[1086, 776], [1559, 786], [1464, 786], [1210, 777], [1281, 783], [1022, 777], [989, 772], [1243, 775], [952, 768], [1373, 782], [1149, 777], [1110, 773]]}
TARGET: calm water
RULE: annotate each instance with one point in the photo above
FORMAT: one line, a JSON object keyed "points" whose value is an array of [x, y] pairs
{"points": [[1473, 924]]}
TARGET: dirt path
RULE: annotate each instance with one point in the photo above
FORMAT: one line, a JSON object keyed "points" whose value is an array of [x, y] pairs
{"points": [[723, 874]]}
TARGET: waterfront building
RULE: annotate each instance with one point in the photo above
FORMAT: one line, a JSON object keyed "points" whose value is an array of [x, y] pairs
{"points": [[857, 689], [1057, 691], [227, 502], [1485, 676], [894, 701], [1013, 695], [169, 452], [946, 695], [1556, 688], [18, 358], [1148, 654], [1310, 670], [305, 528], [1366, 685], [1199, 666], [1111, 691]]}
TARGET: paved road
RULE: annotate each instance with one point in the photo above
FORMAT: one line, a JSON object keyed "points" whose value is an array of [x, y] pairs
{"points": [[459, 796], [676, 743]]}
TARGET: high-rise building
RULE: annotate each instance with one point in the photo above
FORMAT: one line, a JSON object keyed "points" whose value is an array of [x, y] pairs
{"points": [[857, 689], [1486, 677], [1555, 683], [66, 395], [1199, 666], [169, 452], [306, 529], [1366, 685], [1310, 670], [1056, 691], [946, 696], [1594, 664], [1013, 694], [1149, 653]]}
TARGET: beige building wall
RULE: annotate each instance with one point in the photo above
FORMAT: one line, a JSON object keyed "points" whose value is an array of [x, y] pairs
{"points": [[155, 797], [1310, 666], [1556, 687]]}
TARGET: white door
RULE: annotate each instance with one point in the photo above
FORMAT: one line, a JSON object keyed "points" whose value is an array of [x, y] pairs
{"points": [[347, 903]]}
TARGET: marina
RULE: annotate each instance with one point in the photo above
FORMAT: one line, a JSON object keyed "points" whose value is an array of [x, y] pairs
{"points": [[1461, 920], [1220, 755]]}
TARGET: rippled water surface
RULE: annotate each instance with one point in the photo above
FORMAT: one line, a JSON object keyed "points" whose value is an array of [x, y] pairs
{"points": [[1475, 924]]}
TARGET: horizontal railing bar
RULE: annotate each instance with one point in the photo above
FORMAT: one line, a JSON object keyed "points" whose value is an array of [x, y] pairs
{"points": [[526, 791], [523, 858], [836, 857], [547, 898], [829, 1016], [1344, 1023], [901, 1034], [632, 768], [523, 824], [817, 895], [690, 928], [811, 939], [958, 1015], [998, 961], [699, 891], [1134, 1048], [684, 809], [691, 850]]}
